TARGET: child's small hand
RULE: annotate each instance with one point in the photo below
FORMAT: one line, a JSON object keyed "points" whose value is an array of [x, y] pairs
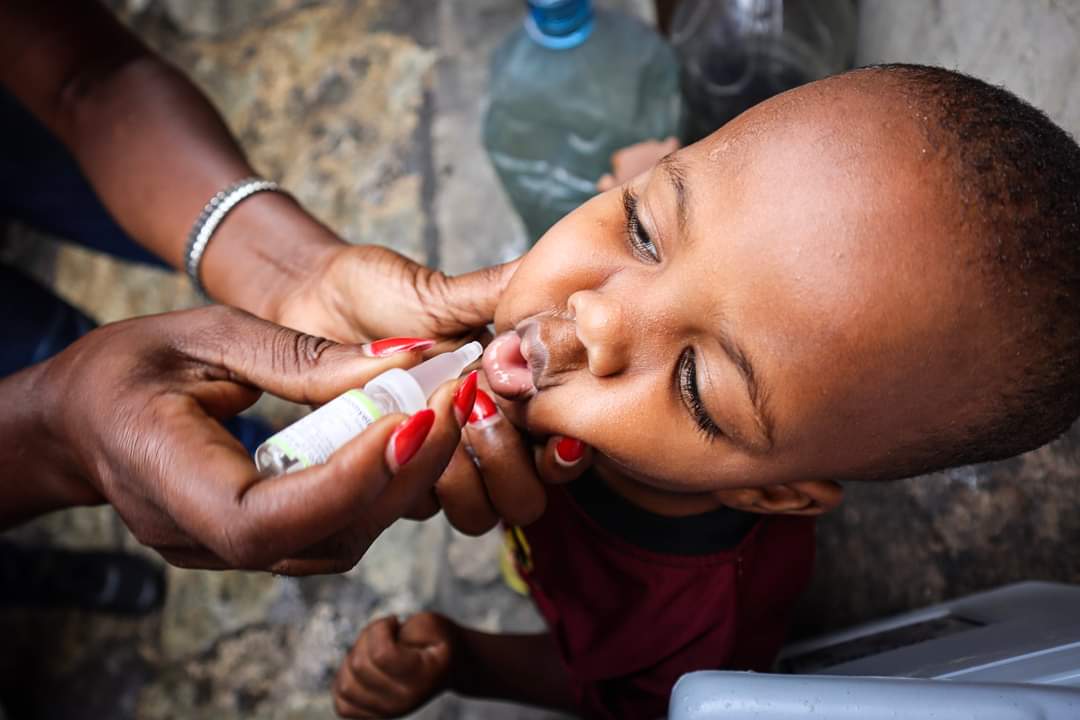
{"points": [[631, 161], [394, 668]]}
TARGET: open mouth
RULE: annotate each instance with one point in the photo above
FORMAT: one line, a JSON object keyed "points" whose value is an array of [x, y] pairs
{"points": [[506, 367]]}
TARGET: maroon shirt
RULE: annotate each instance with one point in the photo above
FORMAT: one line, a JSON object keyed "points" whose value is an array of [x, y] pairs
{"points": [[636, 600]]}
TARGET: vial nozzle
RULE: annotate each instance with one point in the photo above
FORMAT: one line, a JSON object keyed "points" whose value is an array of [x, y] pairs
{"points": [[432, 373], [470, 352], [411, 388]]}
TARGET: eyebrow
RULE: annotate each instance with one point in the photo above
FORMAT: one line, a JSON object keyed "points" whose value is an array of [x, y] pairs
{"points": [[755, 388], [676, 175]]}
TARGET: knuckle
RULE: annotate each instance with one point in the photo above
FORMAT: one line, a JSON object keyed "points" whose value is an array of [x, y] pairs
{"points": [[341, 707], [433, 289], [383, 655], [212, 318], [242, 547], [295, 352], [357, 661]]}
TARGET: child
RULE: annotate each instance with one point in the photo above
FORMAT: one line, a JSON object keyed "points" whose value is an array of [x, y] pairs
{"points": [[870, 277]]}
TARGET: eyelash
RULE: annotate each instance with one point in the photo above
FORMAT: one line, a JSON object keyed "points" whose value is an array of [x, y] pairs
{"points": [[687, 372], [636, 234]]}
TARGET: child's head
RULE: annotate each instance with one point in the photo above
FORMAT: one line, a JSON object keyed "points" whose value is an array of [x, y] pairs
{"points": [[869, 277]]}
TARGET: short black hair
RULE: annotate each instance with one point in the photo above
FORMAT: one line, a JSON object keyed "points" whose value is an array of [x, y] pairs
{"points": [[1017, 176]]}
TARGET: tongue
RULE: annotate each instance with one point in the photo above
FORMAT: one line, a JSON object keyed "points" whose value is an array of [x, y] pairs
{"points": [[506, 369]]}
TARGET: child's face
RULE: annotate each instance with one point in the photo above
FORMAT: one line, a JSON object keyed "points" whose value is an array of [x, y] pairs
{"points": [[782, 301]]}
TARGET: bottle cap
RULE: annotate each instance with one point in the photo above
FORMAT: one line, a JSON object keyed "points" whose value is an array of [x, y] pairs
{"points": [[559, 24], [411, 388]]}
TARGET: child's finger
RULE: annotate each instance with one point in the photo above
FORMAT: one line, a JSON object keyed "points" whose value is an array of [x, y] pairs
{"points": [[426, 506], [362, 702], [562, 459], [366, 684], [346, 708], [430, 635], [346, 703], [393, 660], [351, 698], [424, 630]]}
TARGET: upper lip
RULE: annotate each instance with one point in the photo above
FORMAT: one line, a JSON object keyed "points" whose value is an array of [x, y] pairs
{"points": [[533, 350]]}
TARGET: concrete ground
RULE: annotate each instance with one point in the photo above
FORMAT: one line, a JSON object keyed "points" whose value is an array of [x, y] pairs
{"points": [[368, 110]]}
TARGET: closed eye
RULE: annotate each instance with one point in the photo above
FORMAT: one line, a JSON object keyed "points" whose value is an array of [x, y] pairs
{"points": [[686, 373], [636, 235]]}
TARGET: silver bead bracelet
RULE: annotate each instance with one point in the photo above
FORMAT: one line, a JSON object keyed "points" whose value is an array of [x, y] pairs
{"points": [[211, 216]]}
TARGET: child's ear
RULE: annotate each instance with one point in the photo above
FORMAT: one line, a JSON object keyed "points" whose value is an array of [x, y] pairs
{"points": [[811, 497]]}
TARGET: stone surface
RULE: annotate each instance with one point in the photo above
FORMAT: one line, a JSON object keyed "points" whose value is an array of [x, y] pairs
{"points": [[369, 111]]}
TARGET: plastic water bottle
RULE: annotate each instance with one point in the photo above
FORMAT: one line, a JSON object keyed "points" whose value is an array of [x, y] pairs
{"points": [[569, 88], [736, 53], [312, 439]]}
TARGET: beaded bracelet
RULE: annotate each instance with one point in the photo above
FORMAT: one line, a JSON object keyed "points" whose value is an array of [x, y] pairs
{"points": [[211, 216]]}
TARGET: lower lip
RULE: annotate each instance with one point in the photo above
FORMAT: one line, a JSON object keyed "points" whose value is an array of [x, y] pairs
{"points": [[506, 369]]}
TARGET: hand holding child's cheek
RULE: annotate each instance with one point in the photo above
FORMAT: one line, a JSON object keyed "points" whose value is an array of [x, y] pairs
{"points": [[562, 459], [504, 460], [394, 668], [497, 473]]}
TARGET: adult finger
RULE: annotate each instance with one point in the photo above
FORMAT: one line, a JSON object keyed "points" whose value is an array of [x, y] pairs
{"points": [[467, 301], [231, 345], [506, 464], [562, 459], [211, 489], [463, 497], [414, 481], [426, 506], [411, 488]]}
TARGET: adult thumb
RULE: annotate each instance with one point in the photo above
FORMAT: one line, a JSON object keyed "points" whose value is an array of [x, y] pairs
{"points": [[468, 301], [292, 365]]}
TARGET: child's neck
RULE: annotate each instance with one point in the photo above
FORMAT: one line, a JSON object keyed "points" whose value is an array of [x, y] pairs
{"points": [[649, 497]]}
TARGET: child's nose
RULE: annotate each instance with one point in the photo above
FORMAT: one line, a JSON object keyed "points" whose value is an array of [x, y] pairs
{"points": [[600, 325]]}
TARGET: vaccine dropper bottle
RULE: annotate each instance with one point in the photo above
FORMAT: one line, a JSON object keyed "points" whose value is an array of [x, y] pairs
{"points": [[315, 437]]}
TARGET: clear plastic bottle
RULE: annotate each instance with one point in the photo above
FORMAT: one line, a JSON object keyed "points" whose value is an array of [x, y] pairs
{"points": [[736, 53], [568, 89], [312, 439]]}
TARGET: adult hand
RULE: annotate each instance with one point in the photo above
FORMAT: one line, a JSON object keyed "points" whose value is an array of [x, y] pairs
{"points": [[129, 415], [355, 293], [499, 473]]}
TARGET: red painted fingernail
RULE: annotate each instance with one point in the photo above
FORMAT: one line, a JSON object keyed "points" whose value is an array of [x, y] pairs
{"points": [[390, 346], [409, 436], [464, 398], [568, 451], [483, 408]]}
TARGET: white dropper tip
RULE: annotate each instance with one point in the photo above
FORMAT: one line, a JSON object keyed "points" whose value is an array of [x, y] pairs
{"points": [[470, 353]]}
